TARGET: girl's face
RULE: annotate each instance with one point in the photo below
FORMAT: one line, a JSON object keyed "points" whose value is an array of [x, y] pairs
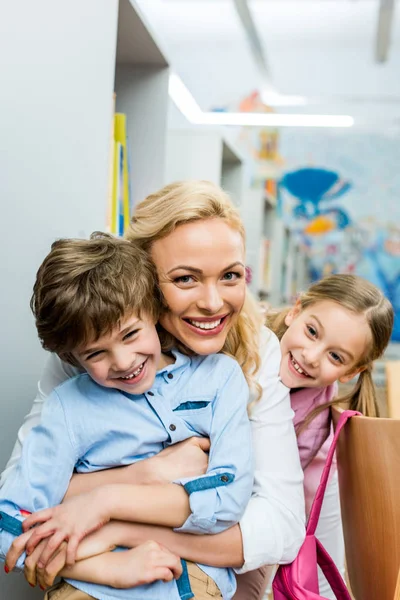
{"points": [[323, 344], [201, 272]]}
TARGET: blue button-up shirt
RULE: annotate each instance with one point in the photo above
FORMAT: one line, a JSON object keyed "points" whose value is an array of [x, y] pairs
{"points": [[86, 427]]}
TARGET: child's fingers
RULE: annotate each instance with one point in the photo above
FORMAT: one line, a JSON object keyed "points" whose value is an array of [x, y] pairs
{"points": [[38, 517], [72, 549], [164, 574], [51, 547], [16, 549], [202, 442]]}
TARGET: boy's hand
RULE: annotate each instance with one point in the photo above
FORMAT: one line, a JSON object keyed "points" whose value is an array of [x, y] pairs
{"points": [[142, 565], [71, 521], [184, 459]]}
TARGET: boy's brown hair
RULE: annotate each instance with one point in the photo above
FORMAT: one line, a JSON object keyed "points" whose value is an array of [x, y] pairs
{"points": [[84, 288]]}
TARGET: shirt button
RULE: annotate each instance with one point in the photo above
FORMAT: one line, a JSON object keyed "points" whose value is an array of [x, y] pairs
{"points": [[170, 376], [172, 427], [224, 478], [150, 393]]}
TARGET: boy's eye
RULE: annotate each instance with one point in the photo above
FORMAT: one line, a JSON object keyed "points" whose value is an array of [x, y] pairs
{"points": [[311, 330], [231, 276], [130, 334], [94, 354]]}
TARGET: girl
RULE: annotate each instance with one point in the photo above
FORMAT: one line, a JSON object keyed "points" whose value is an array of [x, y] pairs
{"points": [[190, 230], [333, 333]]}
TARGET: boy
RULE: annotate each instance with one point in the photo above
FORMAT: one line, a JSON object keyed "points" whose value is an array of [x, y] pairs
{"points": [[96, 305]]}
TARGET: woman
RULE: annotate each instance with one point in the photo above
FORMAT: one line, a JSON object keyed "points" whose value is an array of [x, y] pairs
{"points": [[190, 230]]}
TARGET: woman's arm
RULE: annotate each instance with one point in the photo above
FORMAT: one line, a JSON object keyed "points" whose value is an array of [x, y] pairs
{"points": [[273, 526]]}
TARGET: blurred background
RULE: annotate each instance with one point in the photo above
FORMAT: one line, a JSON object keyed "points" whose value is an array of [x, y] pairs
{"points": [[293, 106]]}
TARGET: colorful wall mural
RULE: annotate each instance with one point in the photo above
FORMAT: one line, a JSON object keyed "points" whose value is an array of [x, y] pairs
{"points": [[340, 193]]}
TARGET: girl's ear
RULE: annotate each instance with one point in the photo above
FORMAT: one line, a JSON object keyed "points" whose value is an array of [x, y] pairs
{"points": [[293, 313], [346, 378]]}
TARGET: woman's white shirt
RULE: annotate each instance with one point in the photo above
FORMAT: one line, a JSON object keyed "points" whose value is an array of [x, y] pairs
{"points": [[273, 524]]}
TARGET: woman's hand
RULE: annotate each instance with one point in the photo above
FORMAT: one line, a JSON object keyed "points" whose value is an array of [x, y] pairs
{"points": [[185, 459], [70, 521]]}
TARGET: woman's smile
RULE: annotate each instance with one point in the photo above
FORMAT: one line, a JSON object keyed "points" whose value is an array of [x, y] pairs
{"points": [[202, 278]]}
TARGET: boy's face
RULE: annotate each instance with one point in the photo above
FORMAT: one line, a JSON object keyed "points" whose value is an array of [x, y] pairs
{"points": [[126, 359]]}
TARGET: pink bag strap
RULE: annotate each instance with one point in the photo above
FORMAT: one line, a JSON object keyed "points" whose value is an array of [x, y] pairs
{"points": [[319, 496], [331, 573]]}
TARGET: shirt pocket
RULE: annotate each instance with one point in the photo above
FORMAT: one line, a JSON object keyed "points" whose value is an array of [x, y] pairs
{"points": [[196, 413]]}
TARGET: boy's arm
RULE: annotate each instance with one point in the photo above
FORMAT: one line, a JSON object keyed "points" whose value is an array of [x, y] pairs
{"points": [[218, 498], [41, 476]]}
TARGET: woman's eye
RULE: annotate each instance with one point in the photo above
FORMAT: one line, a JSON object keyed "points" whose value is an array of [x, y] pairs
{"points": [[130, 334], [311, 330], [184, 279], [336, 357], [231, 276]]}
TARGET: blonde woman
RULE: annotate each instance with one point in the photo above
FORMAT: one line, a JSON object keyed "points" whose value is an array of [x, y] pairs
{"points": [[196, 240]]}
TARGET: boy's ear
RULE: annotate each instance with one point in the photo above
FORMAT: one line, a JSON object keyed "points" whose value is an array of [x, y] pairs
{"points": [[293, 313], [346, 378]]}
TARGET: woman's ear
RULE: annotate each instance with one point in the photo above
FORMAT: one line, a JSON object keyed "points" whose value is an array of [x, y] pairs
{"points": [[293, 313], [351, 375]]}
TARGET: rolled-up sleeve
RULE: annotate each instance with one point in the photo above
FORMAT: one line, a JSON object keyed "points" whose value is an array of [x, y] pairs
{"points": [[273, 525], [218, 498]]}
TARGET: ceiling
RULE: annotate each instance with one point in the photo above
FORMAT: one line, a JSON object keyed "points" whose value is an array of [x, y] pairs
{"points": [[323, 50]]}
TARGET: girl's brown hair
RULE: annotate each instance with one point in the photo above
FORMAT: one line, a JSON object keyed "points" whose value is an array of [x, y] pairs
{"points": [[362, 298], [184, 202]]}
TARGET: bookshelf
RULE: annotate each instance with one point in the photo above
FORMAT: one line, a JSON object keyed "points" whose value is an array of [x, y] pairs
{"points": [[141, 86], [62, 63]]}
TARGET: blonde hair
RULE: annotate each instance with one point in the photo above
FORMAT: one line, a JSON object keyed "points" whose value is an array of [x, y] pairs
{"points": [[184, 202], [85, 288], [362, 298]]}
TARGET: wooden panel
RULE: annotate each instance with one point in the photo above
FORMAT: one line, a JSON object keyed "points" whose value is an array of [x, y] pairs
{"points": [[369, 479]]}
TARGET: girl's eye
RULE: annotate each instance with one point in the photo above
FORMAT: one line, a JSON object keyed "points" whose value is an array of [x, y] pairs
{"points": [[336, 357], [231, 276], [130, 334], [184, 279], [311, 330]]}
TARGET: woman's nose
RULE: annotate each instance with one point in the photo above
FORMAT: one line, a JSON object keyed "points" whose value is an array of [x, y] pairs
{"points": [[210, 299]]}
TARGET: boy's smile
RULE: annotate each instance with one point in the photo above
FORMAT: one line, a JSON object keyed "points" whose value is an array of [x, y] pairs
{"points": [[127, 358]]}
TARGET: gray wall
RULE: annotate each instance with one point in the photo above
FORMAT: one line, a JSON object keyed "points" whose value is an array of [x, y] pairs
{"points": [[57, 63]]}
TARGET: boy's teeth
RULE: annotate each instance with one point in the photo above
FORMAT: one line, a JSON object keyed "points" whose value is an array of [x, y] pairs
{"points": [[201, 325], [135, 373]]}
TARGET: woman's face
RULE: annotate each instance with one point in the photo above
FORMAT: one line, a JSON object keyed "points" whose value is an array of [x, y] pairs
{"points": [[201, 272]]}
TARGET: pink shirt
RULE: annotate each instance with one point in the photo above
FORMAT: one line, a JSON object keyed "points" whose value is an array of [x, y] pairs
{"points": [[315, 440]]}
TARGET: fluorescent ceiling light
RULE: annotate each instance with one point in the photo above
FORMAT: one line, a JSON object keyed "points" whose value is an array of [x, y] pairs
{"points": [[188, 106], [183, 99], [275, 99], [274, 120]]}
